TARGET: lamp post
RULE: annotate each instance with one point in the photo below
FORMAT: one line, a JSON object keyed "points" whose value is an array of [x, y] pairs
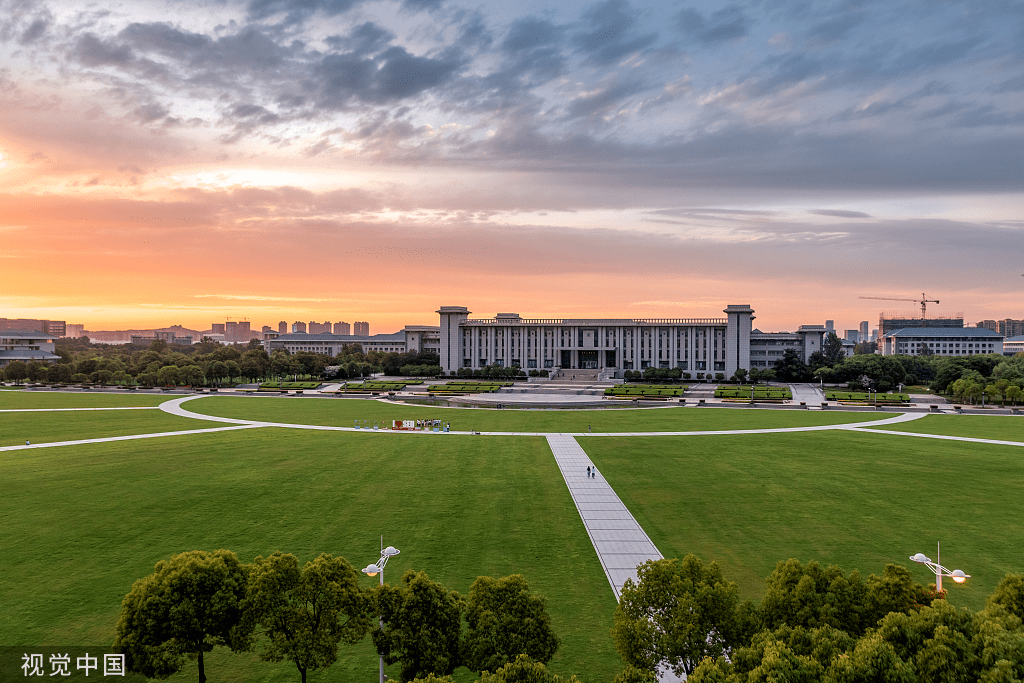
{"points": [[374, 570], [957, 574]]}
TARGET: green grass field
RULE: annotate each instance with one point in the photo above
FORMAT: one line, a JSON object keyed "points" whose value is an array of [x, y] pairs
{"points": [[342, 413], [848, 498], [60, 399], [43, 427], [80, 524], [1000, 427]]}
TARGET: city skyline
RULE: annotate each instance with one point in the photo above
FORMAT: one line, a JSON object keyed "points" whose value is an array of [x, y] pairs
{"points": [[181, 162]]}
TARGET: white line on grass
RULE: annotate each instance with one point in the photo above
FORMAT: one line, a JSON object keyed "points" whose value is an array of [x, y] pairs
{"points": [[64, 410], [129, 437]]}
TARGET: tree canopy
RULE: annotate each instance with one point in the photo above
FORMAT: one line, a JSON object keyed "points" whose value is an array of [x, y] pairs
{"points": [[305, 613], [422, 626], [191, 603], [675, 614], [505, 621]]}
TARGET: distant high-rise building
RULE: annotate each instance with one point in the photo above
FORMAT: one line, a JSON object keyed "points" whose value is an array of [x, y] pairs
{"points": [[362, 329], [865, 330], [217, 328], [319, 328], [1011, 328], [55, 328], [874, 334], [342, 328], [830, 326], [852, 336], [74, 330], [282, 327], [265, 329], [887, 324], [989, 325], [298, 326]]}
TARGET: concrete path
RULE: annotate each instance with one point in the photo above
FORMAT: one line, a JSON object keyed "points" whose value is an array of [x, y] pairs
{"points": [[807, 393], [620, 543], [128, 437]]}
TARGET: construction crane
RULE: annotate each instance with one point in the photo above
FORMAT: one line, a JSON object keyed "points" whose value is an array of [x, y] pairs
{"points": [[923, 300]]}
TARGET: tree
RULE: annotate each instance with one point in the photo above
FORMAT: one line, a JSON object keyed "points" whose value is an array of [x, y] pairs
{"points": [[16, 371], [305, 613], [192, 602], [1009, 594], [36, 371], [505, 621], [676, 614], [1014, 393], [422, 625], [59, 374], [832, 349], [169, 375], [812, 597], [791, 367], [740, 376], [872, 661], [524, 670]]}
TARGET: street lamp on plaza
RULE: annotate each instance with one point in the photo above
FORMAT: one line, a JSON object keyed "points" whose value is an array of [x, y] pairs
{"points": [[374, 570], [957, 574]]}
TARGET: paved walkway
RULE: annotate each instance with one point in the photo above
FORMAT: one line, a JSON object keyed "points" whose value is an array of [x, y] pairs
{"points": [[807, 393], [620, 543], [67, 410]]}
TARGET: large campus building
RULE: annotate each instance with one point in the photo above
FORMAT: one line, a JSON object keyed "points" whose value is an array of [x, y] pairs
{"points": [[615, 345], [26, 346]]}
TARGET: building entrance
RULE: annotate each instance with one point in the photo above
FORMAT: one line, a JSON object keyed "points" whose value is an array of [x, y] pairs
{"points": [[588, 360]]}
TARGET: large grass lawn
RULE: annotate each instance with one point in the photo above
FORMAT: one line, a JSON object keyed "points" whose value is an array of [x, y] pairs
{"points": [[79, 524], [858, 500], [43, 427], [342, 413], [999, 427], [60, 399]]}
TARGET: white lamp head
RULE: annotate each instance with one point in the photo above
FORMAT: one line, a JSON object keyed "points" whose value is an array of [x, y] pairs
{"points": [[959, 576], [920, 557], [390, 551], [371, 570]]}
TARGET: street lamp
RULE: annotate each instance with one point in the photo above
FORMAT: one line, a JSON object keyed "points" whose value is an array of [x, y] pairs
{"points": [[374, 570], [957, 574]]}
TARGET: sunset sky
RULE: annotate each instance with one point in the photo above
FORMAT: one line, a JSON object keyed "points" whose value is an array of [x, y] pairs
{"points": [[185, 162]]}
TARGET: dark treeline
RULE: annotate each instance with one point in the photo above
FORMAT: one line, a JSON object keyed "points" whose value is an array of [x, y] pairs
{"points": [[208, 363]]}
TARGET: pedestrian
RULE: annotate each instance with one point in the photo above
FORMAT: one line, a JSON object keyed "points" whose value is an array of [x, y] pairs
{"points": [[594, 473], [589, 428], [588, 472]]}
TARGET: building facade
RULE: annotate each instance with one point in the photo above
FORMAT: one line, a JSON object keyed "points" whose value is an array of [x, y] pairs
{"points": [[412, 339], [361, 328], [1013, 346], [26, 346], [610, 344], [767, 348], [942, 341], [342, 328]]}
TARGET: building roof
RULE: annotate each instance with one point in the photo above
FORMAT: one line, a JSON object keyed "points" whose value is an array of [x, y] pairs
{"points": [[1019, 338], [27, 355], [339, 338], [25, 334], [944, 332]]}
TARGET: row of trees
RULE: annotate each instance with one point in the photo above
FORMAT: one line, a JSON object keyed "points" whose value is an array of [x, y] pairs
{"points": [[814, 624], [197, 600]]}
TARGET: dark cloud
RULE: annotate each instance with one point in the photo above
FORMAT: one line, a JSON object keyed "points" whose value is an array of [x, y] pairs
{"points": [[729, 23], [366, 39], [34, 31], [837, 213], [92, 51], [603, 99], [608, 33], [297, 11], [1015, 84], [394, 75]]}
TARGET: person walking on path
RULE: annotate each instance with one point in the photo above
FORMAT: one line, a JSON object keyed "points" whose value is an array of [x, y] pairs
{"points": [[588, 473], [593, 473], [589, 428]]}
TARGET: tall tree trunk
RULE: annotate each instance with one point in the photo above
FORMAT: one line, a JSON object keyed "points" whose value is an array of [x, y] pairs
{"points": [[202, 669]]}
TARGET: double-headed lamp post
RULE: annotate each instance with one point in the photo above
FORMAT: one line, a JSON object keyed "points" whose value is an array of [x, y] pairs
{"points": [[957, 574], [374, 570]]}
